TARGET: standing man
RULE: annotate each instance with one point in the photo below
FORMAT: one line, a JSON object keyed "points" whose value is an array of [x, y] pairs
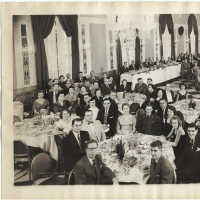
{"points": [[161, 171], [91, 169], [141, 87], [73, 144]]}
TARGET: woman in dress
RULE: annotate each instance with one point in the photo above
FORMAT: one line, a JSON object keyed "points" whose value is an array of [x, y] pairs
{"points": [[40, 103], [61, 104], [175, 135], [126, 122], [71, 97], [182, 93], [65, 123]]}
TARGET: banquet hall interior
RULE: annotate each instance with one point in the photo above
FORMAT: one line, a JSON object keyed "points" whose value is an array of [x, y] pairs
{"points": [[130, 80]]}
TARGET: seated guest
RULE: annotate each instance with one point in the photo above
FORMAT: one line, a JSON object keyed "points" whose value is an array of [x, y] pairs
{"points": [[112, 83], [146, 64], [81, 79], [40, 103], [73, 145], [162, 110], [93, 78], [189, 162], [61, 104], [71, 97], [80, 110], [66, 87], [83, 91], [185, 69], [124, 68], [132, 65], [90, 169], [151, 93], [169, 94], [49, 87], [87, 84], [105, 88], [124, 87], [140, 87], [114, 100], [94, 127], [98, 98], [93, 108], [182, 93], [76, 88], [161, 170], [62, 81], [102, 80], [68, 76], [148, 122], [94, 87], [175, 135], [53, 96], [126, 122], [160, 95], [65, 123], [108, 116]]}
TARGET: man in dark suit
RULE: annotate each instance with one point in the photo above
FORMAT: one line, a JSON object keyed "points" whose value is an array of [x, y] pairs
{"points": [[98, 98], [140, 87], [162, 110], [189, 163], [108, 116], [73, 144], [91, 170], [148, 122], [105, 88], [161, 171], [81, 78], [53, 96]]}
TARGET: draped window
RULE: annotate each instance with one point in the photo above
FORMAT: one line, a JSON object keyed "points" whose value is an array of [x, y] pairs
{"points": [[42, 26], [166, 20], [181, 41], [58, 51], [119, 53], [166, 40], [193, 33]]}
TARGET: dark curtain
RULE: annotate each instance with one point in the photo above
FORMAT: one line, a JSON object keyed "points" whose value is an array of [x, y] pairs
{"points": [[42, 26], [119, 54], [70, 26], [192, 24], [167, 20], [137, 52]]}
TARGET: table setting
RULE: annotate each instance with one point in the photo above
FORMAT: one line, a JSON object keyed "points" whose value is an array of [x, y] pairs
{"points": [[129, 156]]}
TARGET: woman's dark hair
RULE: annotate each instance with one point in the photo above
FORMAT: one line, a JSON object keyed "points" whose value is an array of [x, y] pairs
{"points": [[61, 113], [61, 76], [172, 108], [175, 117], [181, 85], [150, 85], [125, 104]]}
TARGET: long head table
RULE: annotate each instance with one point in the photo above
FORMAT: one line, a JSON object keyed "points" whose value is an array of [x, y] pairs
{"points": [[159, 75], [135, 166]]}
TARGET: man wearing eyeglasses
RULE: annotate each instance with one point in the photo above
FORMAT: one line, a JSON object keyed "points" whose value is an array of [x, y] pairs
{"points": [[91, 169]]}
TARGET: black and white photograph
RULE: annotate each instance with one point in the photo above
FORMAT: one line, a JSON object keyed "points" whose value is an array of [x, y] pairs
{"points": [[106, 99]]}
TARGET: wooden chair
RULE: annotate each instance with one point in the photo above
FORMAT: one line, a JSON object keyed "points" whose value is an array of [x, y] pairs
{"points": [[22, 157]]}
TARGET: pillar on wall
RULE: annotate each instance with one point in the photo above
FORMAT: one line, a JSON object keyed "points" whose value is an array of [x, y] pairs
{"points": [[176, 39], [186, 39]]}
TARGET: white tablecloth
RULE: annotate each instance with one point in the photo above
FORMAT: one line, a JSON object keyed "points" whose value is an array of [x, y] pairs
{"points": [[158, 75], [37, 136], [140, 171]]}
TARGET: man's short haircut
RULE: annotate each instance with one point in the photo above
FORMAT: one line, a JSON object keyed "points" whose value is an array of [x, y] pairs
{"points": [[162, 100], [91, 141], [192, 125], [149, 79], [78, 119], [106, 99], [88, 110], [156, 143], [139, 79], [93, 99]]}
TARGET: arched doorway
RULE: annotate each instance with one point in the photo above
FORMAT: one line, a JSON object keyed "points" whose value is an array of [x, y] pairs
{"points": [[165, 20], [193, 34]]}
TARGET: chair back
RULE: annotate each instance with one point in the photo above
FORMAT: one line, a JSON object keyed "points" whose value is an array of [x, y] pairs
{"points": [[71, 178], [41, 163], [20, 148]]}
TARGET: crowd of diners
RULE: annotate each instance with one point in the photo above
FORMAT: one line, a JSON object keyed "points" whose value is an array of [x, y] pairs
{"points": [[90, 105]]}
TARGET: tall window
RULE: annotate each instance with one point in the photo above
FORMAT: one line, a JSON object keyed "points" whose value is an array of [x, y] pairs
{"points": [[58, 51], [25, 54]]}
